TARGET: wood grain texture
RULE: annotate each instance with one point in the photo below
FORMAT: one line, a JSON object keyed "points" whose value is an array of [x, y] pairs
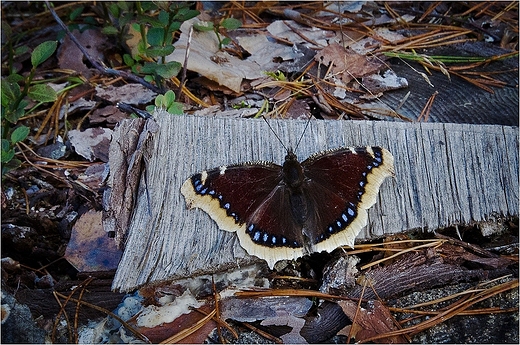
{"points": [[446, 174]]}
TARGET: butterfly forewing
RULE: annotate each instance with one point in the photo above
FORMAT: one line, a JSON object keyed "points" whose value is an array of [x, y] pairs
{"points": [[235, 191]]}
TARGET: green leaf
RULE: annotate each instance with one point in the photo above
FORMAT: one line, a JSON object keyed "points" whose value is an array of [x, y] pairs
{"points": [[5, 145], [110, 30], [12, 164], [127, 18], [7, 155], [203, 26], [156, 51], [21, 50], [136, 69], [6, 30], [163, 5], [113, 9], [42, 93], [141, 48], [10, 92], [169, 98], [185, 14], [124, 5], [136, 27], [128, 60], [19, 134], [75, 13], [61, 34], [231, 24], [14, 78], [14, 114], [92, 24], [278, 75], [148, 68], [168, 70], [148, 6], [164, 16], [176, 109], [42, 52], [225, 41], [159, 101], [174, 27], [143, 19], [155, 36]]}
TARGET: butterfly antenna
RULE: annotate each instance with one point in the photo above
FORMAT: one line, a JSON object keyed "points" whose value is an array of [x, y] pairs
{"points": [[303, 133], [276, 135]]}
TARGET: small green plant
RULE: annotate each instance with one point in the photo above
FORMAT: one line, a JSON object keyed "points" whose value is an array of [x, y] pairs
{"points": [[278, 75], [156, 31], [17, 91], [228, 24], [241, 105], [167, 102]]}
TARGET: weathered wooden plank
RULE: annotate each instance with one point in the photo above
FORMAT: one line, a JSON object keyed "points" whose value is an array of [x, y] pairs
{"points": [[445, 174]]}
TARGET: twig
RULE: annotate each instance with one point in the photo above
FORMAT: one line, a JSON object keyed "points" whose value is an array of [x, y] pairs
{"points": [[262, 333], [186, 332], [93, 306], [425, 113], [219, 321], [354, 319], [185, 64], [216, 297], [290, 293], [426, 245], [78, 305], [455, 309]]}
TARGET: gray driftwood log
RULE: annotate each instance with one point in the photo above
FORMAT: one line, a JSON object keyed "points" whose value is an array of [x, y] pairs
{"points": [[446, 174]]}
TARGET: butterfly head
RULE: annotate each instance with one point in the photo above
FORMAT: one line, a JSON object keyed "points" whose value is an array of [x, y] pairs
{"points": [[290, 156], [292, 170]]}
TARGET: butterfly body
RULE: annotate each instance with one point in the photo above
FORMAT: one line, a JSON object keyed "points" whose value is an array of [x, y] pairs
{"points": [[285, 212]]}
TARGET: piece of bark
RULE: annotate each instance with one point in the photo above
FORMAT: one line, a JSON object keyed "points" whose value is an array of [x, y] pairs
{"points": [[417, 271], [130, 146]]}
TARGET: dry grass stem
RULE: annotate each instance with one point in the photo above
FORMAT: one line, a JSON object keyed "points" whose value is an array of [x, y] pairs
{"points": [[103, 310], [188, 331]]}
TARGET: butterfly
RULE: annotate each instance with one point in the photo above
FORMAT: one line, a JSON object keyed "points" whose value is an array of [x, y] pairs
{"points": [[285, 212]]}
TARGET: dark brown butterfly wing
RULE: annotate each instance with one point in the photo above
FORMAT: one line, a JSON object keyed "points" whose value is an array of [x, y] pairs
{"points": [[341, 185], [249, 199]]}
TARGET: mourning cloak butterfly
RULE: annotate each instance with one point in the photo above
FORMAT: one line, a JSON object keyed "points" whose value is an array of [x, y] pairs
{"points": [[285, 212]]}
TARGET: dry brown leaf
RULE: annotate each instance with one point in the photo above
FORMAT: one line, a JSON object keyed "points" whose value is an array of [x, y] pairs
{"points": [[166, 330], [109, 114], [347, 64], [372, 321], [70, 57], [206, 59], [128, 93], [93, 143], [89, 248]]}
